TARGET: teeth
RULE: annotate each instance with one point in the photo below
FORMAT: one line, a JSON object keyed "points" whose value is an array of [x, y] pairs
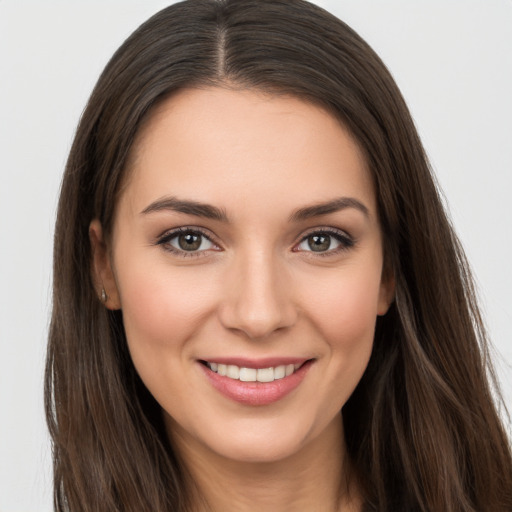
{"points": [[248, 374], [265, 375], [279, 372], [233, 372], [253, 374]]}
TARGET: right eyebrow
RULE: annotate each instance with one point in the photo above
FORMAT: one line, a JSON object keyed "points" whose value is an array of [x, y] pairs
{"points": [[196, 208]]}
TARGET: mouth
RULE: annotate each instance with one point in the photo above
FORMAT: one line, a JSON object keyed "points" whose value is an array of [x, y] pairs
{"points": [[256, 383], [244, 374]]}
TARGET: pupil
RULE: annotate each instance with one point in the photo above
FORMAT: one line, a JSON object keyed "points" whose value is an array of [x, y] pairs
{"points": [[319, 243], [189, 242]]}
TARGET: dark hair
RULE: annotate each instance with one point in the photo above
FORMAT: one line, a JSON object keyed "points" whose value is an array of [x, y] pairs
{"points": [[422, 429]]}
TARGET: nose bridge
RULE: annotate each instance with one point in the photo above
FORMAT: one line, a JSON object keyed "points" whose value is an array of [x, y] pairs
{"points": [[258, 297]]}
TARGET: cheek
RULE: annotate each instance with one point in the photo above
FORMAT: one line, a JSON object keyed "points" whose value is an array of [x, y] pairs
{"points": [[164, 311], [345, 313], [162, 308], [346, 308]]}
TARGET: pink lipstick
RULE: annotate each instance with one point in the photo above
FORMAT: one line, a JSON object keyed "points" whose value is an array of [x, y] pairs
{"points": [[256, 382]]}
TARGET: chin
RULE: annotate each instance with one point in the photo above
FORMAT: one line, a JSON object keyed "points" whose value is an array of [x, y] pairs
{"points": [[260, 449], [263, 441]]}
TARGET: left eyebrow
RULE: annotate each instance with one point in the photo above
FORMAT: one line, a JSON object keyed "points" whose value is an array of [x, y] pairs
{"points": [[332, 206]]}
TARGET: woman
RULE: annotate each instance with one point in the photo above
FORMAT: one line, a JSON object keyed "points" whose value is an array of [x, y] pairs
{"points": [[249, 240]]}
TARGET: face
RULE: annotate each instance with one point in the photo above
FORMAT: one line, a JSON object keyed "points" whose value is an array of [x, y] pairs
{"points": [[246, 257]]}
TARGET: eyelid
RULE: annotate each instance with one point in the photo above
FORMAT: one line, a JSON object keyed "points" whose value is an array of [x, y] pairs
{"points": [[346, 240], [169, 234]]}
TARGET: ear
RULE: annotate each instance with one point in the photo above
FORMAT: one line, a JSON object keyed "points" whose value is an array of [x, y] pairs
{"points": [[386, 293], [102, 273]]}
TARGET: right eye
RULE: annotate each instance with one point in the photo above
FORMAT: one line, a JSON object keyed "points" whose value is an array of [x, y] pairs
{"points": [[186, 242]]}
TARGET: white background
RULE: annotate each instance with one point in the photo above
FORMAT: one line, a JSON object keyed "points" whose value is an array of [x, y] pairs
{"points": [[451, 58]]}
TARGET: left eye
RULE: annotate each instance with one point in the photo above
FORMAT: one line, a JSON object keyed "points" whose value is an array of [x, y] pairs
{"points": [[188, 241], [323, 242]]}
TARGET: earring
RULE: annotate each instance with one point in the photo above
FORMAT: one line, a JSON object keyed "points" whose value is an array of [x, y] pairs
{"points": [[103, 295]]}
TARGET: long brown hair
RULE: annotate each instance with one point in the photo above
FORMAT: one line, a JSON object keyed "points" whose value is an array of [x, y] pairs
{"points": [[422, 429]]}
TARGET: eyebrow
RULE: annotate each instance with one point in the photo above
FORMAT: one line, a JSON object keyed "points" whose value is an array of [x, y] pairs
{"points": [[209, 211], [332, 206], [189, 207]]}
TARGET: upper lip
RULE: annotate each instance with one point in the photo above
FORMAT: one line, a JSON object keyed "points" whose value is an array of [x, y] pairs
{"points": [[266, 362]]}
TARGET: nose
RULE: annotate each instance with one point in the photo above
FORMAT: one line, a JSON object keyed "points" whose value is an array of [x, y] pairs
{"points": [[258, 298]]}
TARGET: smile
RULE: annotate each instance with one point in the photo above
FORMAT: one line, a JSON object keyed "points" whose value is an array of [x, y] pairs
{"points": [[256, 383], [253, 374]]}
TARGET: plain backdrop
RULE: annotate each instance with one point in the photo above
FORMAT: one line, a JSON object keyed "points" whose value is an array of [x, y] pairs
{"points": [[451, 58]]}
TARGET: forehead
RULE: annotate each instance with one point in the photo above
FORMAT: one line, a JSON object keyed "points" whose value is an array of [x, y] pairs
{"points": [[220, 145]]}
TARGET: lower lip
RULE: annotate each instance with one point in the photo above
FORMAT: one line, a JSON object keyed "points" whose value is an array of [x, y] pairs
{"points": [[256, 393]]}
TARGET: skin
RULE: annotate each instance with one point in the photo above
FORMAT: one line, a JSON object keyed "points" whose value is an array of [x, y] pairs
{"points": [[256, 290]]}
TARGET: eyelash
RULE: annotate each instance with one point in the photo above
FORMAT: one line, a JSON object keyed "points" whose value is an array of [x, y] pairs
{"points": [[165, 239], [345, 240]]}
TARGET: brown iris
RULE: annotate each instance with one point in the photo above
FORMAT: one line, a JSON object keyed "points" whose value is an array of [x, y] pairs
{"points": [[319, 243], [189, 241]]}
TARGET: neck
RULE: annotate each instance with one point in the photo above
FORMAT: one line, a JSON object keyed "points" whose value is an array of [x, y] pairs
{"points": [[317, 477]]}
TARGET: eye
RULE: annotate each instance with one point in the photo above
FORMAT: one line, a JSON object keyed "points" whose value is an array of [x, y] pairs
{"points": [[186, 240], [325, 241]]}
